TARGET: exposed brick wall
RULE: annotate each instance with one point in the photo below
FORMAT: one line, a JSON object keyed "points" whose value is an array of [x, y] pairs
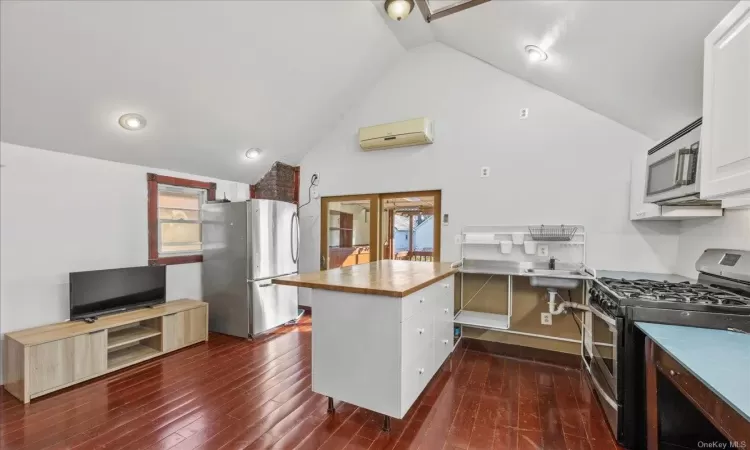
{"points": [[279, 183]]}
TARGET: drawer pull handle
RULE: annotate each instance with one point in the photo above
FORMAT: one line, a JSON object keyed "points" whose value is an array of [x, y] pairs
{"points": [[671, 372], [420, 330], [421, 371], [446, 285], [446, 310], [445, 341], [421, 300]]}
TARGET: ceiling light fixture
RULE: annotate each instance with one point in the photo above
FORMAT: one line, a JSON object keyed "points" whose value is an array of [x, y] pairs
{"points": [[253, 153], [398, 9], [132, 121], [535, 53]]}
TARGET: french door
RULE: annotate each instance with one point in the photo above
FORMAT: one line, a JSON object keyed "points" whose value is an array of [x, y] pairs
{"points": [[358, 229]]}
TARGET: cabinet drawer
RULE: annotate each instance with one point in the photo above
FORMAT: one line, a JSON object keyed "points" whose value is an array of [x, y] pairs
{"points": [[415, 375], [443, 342], [416, 303], [417, 332]]}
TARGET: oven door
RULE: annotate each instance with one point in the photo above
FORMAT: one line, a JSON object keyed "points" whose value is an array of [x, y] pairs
{"points": [[672, 173], [600, 357]]}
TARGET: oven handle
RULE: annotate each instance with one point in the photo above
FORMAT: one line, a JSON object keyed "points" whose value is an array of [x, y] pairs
{"points": [[598, 387], [602, 315]]}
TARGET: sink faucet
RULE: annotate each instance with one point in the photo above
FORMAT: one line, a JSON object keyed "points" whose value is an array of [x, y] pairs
{"points": [[552, 263]]}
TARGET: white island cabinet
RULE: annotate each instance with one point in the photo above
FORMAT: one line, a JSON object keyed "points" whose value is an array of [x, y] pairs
{"points": [[725, 136], [380, 331]]}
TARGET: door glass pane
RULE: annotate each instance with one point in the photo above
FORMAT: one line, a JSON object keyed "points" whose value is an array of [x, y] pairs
{"points": [[408, 228], [348, 233], [661, 175]]}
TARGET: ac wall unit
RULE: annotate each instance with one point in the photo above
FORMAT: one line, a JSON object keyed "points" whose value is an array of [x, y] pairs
{"points": [[397, 134]]}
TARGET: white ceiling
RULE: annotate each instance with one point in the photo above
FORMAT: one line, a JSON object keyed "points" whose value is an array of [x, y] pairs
{"points": [[639, 63], [216, 78], [212, 78]]}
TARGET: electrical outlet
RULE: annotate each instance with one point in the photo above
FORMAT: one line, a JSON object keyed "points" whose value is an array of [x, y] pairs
{"points": [[524, 113], [542, 250], [546, 318], [457, 239], [484, 172]]}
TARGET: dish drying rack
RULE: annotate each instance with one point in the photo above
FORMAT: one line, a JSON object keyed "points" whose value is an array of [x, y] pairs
{"points": [[552, 233]]}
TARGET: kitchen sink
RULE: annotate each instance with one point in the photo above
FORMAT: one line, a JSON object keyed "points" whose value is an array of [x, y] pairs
{"points": [[558, 279], [556, 273]]}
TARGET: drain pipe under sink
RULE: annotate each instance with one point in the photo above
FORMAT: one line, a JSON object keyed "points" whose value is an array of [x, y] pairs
{"points": [[556, 310]]}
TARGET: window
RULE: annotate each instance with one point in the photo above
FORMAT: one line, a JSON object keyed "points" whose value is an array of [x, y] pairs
{"points": [[174, 218]]}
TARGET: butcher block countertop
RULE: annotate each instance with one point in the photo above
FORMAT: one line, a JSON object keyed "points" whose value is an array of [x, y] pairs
{"points": [[388, 277]]}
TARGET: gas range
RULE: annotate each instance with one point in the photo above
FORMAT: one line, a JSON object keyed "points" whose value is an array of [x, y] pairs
{"points": [[663, 294], [723, 287], [613, 351]]}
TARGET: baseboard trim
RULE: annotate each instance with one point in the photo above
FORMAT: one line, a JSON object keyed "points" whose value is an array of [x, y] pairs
{"points": [[527, 353]]}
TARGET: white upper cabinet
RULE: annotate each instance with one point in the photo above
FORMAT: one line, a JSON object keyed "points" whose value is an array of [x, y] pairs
{"points": [[725, 139]]}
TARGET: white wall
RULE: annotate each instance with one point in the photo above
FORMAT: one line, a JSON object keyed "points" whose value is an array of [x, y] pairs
{"points": [[564, 164], [62, 213], [731, 231]]}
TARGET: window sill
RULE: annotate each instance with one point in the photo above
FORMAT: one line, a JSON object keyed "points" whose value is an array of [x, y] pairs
{"points": [[172, 260]]}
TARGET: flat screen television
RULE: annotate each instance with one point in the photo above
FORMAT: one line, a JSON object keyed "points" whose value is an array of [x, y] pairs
{"points": [[100, 292]]}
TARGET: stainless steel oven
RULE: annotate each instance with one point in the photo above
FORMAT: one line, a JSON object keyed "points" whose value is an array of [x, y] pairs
{"points": [[672, 169], [601, 349]]}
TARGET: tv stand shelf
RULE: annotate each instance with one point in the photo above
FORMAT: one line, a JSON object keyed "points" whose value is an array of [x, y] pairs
{"points": [[45, 359], [129, 335], [129, 355]]}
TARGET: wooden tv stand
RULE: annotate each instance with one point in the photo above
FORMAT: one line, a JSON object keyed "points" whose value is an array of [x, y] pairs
{"points": [[44, 359]]}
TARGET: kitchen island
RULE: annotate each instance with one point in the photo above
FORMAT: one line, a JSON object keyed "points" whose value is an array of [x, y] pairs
{"points": [[380, 331]]}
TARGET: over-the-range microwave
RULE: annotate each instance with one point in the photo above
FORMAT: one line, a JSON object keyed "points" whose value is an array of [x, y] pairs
{"points": [[673, 171]]}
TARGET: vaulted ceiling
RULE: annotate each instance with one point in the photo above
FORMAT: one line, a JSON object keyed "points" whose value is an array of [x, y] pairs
{"points": [[214, 78], [639, 63]]}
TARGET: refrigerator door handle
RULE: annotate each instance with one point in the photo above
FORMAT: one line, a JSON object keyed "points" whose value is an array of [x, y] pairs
{"points": [[294, 237]]}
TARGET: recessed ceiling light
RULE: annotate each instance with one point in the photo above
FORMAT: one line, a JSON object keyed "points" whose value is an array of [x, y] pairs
{"points": [[535, 53], [398, 9], [253, 153], [132, 122]]}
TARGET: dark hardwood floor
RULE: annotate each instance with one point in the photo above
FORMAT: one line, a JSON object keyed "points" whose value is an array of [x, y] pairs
{"points": [[231, 393]]}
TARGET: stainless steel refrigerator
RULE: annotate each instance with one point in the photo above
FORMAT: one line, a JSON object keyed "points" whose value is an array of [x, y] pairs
{"points": [[245, 246]]}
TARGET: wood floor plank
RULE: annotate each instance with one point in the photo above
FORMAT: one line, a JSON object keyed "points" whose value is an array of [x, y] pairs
{"points": [[233, 393]]}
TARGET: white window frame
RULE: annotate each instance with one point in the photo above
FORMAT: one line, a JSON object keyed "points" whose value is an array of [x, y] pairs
{"points": [[168, 188]]}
